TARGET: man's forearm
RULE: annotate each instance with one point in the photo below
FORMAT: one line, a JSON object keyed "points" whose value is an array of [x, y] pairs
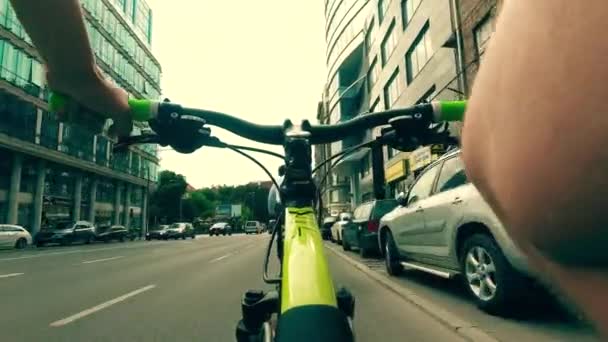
{"points": [[535, 139], [57, 30]]}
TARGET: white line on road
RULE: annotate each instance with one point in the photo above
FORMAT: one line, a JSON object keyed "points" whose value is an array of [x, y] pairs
{"points": [[220, 258], [43, 254], [99, 307], [100, 260], [11, 275]]}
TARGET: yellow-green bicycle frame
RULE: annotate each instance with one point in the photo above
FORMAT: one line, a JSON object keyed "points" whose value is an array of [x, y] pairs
{"points": [[306, 279]]}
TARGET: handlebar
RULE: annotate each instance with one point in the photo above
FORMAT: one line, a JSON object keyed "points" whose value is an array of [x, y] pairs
{"points": [[159, 112]]}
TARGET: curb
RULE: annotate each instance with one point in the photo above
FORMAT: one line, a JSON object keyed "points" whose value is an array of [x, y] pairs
{"points": [[461, 327]]}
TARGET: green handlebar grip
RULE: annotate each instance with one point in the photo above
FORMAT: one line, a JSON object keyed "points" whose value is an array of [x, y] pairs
{"points": [[141, 110], [452, 110], [57, 102]]}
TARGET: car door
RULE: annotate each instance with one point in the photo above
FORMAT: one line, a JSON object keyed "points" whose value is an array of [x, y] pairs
{"points": [[359, 224], [80, 231], [408, 226], [4, 236], [443, 211]]}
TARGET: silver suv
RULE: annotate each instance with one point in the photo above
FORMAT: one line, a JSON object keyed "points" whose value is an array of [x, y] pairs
{"points": [[444, 227]]}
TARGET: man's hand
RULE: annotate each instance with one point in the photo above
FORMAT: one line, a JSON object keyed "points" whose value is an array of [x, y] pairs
{"points": [[94, 100], [58, 31]]}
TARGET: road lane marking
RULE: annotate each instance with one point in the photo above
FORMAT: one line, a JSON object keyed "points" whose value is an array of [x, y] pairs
{"points": [[42, 254], [99, 307], [220, 258], [11, 275], [100, 260]]}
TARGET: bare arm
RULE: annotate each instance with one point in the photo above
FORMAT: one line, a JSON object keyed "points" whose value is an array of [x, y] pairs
{"points": [[536, 140], [58, 31]]}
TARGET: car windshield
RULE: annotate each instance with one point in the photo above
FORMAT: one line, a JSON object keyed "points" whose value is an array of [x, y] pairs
{"points": [[251, 224], [219, 225], [64, 225], [176, 225]]}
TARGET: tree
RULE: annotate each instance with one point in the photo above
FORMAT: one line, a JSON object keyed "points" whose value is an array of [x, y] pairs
{"points": [[165, 201]]}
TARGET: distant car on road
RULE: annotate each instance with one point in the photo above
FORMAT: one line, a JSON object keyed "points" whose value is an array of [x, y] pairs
{"points": [[336, 228], [444, 227], [14, 236], [116, 232], [328, 222], [180, 230], [220, 228], [362, 231], [158, 233], [66, 233], [253, 227]]}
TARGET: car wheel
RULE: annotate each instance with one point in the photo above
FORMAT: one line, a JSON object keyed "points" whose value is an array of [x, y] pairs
{"points": [[148, 239], [39, 244], [391, 256], [21, 243], [345, 246], [183, 237], [193, 236], [489, 278], [122, 239]]}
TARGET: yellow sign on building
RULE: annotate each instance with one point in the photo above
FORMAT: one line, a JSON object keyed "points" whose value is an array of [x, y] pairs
{"points": [[396, 171], [420, 158]]}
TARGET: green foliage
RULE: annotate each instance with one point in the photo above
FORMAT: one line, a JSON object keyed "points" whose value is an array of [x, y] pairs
{"points": [[165, 201]]}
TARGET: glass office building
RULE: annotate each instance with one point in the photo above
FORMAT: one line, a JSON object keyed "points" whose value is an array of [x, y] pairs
{"points": [[55, 171]]}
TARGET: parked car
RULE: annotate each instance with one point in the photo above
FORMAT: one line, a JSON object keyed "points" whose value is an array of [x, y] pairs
{"points": [[326, 225], [116, 232], [362, 231], [253, 227], [14, 236], [220, 228], [444, 227], [159, 233], [336, 228], [180, 230], [271, 224], [66, 233]]}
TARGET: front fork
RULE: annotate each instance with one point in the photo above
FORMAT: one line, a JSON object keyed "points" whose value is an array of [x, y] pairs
{"points": [[258, 307]]}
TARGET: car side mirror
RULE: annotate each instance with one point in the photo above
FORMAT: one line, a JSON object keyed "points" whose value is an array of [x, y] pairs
{"points": [[402, 199]]}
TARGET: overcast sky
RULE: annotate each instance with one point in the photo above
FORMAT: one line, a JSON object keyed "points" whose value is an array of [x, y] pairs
{"points": [[262, 60]]}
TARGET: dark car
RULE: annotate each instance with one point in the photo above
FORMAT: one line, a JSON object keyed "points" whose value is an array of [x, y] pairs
{"points": [[220, 228], [117, 232], [180, 230], [66, 233], [362, 231], [158, 233], [326, 227]]}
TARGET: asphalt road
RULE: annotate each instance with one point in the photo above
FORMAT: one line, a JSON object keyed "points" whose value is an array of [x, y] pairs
{"points": [[541, 319], [170, 291]]}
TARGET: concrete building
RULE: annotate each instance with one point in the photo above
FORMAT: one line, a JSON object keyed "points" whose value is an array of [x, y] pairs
{"points": [[397, 53], [53, 171], [345, 95], [477, 24]]}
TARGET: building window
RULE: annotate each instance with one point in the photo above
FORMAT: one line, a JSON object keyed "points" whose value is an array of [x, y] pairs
{"points": [[392, 90], [372, 74], [369, 36], [374, 107], [389, 43], [408, 8], [428, 96], [483, 32], [419, 53], [382, 8]]}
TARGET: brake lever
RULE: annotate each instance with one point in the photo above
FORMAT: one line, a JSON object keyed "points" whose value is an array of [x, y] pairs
{"points": [[124, 142]]}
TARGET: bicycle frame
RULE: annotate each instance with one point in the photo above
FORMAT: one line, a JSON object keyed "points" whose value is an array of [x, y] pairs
{"points": [[306, 279]]}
